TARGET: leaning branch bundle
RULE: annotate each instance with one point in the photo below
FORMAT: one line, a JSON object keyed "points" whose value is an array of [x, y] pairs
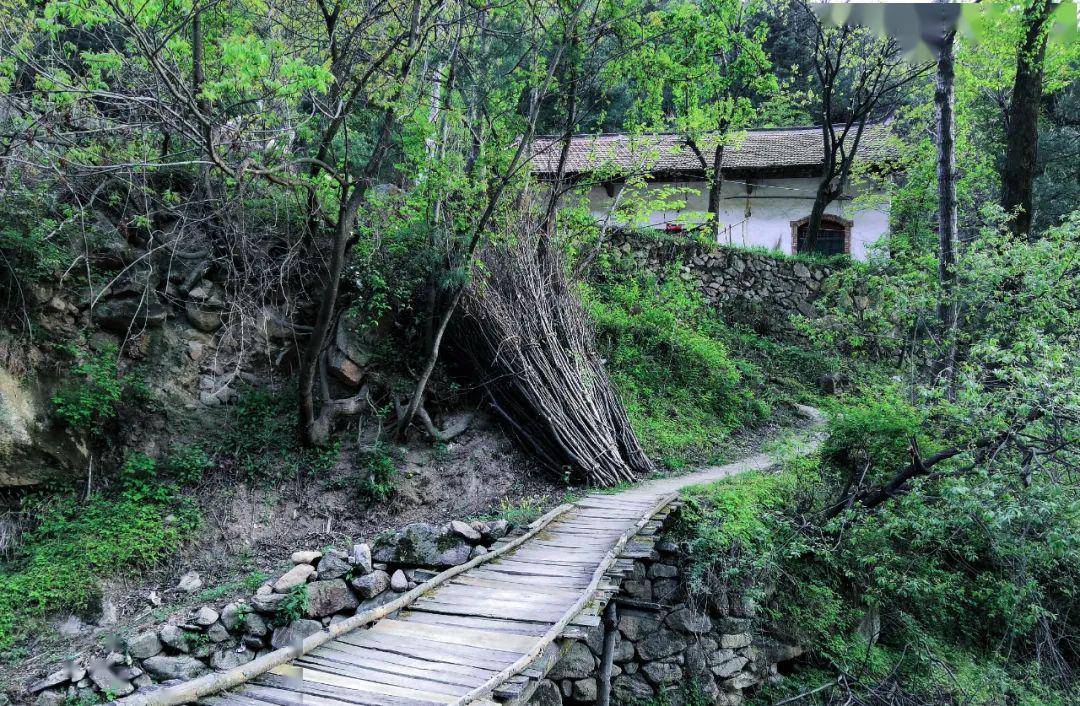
{"points": [[528, 337]]}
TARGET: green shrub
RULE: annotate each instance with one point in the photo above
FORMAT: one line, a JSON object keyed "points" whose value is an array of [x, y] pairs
{"points": [[294, 606], [77, 543], [90, 397], [31, 243], [521, 512], [371, 475], [379, 472], [874, 431], [187, 463]]}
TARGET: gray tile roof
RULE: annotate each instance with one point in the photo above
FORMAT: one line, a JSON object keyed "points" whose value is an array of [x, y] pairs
{"points": [[797, 147]]}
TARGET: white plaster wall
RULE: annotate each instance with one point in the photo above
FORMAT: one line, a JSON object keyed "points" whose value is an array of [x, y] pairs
{"points": [[760, 219]]}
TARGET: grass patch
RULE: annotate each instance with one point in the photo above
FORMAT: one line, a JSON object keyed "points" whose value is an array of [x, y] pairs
{"points": [[76, 543], [683, 389]]}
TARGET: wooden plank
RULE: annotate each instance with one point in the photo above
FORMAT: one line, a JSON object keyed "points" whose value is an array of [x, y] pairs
{"points": [[492, 610], [230, 699], [527, 568], [433, 651], [456, 636], [453, 684], [509, 594], [375, 656], [502, 585], [285, 691], [513, 627], [495, 606], [433, 693], [561, 581], [418, 668]]}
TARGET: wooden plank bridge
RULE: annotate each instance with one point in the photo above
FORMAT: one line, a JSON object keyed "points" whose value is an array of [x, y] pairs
{"points": [[478, 633]]}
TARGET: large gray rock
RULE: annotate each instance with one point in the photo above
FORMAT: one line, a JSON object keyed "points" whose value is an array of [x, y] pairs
{"points": [[189, 582], [145, 644], [329, 597], [268, 602], [217, 632], [108, 682], [204, 316], [660, 644], [343, 368], [333, 566], [584, 690], [464, 530], [577, 663], [660, 673], [353, 344], [231, 657], [294, 632], [372, 584], [296, 576], [174, 637], [377, 602], [688, 620], [309, 556], [163, 667], [398, 582], [360, 557], [636, 625], [422, 544], [65, 674], [234, 615], [734, 642], [663, 571], [129, 313], [546, 694], [729, 667], [631, 688], [496, 529], [205, 616]]}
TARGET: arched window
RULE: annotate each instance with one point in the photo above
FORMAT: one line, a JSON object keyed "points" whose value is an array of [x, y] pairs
{"points": [[834, 238]]}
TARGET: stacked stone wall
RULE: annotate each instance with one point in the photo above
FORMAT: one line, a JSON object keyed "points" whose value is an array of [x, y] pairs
{"points": [[749, 287], [671, 646]]}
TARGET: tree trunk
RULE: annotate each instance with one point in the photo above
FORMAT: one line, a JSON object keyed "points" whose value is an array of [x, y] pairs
{"points": [[1022, 136], [312, 433], [946, 173], [315, 431], [822, 198], [715, 188]]}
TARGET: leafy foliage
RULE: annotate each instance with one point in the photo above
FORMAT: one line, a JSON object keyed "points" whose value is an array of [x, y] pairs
{"points": [[954, 573], [372, 474], [90, 397]]}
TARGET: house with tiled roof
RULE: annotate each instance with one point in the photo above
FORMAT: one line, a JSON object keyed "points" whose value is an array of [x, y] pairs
{"points": [[770, 178]]}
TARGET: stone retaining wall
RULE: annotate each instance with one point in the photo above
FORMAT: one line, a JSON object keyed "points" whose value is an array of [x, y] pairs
{"points": [[669, 644], [748, 287]]}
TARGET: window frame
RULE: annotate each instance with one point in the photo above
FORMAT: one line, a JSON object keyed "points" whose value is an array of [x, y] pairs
{"points": [[831, 219]]}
